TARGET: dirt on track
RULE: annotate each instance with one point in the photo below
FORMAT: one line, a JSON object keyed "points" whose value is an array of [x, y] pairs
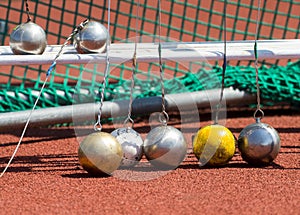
{"points": [[46, 178]]}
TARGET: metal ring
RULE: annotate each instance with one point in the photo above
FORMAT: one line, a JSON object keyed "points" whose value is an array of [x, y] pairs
{"points": [[255, 113], [163, 117], [97, 126], [127, 120]]}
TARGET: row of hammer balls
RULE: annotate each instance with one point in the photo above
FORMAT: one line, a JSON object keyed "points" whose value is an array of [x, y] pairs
{"points": [[30, 38], [101, 153], [166, 147]]}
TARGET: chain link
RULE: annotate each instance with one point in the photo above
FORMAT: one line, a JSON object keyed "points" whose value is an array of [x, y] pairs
{"points": [[98, 125], [163, 117], [133, 70], [258, 107], [27, 11], [75, 31]]}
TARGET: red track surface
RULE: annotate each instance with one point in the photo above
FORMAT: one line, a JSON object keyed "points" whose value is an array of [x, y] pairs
{"points": [[46, 178]]}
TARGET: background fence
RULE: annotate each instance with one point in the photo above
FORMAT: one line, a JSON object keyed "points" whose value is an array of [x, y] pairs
{"points": [[189, 20]]}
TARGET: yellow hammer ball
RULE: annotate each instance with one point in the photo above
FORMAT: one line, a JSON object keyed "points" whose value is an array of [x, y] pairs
{"points": [[100, 154], [214, 145]]}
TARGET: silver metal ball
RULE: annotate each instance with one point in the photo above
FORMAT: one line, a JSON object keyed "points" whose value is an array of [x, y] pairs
{"points": [[100, 153], [28, 38], [132, 146], [259, 144], [165, 147], [91, 38]]}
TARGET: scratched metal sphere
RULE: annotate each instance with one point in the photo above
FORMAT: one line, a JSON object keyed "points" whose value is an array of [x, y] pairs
{"points": [[100, 154], [91, 39], [28, 38], [259, 144], [132, 146], [165, 147]]}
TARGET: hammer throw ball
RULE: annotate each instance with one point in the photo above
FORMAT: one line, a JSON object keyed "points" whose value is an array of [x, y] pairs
{"points": [[91, 38], [214, 145], [132, 145], [28, 38], [100, 154], [259, 144], [165, 147]]}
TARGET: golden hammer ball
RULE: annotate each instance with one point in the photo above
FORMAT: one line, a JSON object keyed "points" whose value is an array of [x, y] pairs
{"points": [[92, 38], [100, 154], [214, 145], [165, 147], [28, 38], [259, 144]]}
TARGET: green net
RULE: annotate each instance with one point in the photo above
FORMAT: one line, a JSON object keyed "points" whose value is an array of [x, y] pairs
{"points": [[189, 20]]}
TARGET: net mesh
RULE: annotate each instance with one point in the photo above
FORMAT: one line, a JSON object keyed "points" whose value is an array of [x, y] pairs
{"points": [[189, 20]]}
